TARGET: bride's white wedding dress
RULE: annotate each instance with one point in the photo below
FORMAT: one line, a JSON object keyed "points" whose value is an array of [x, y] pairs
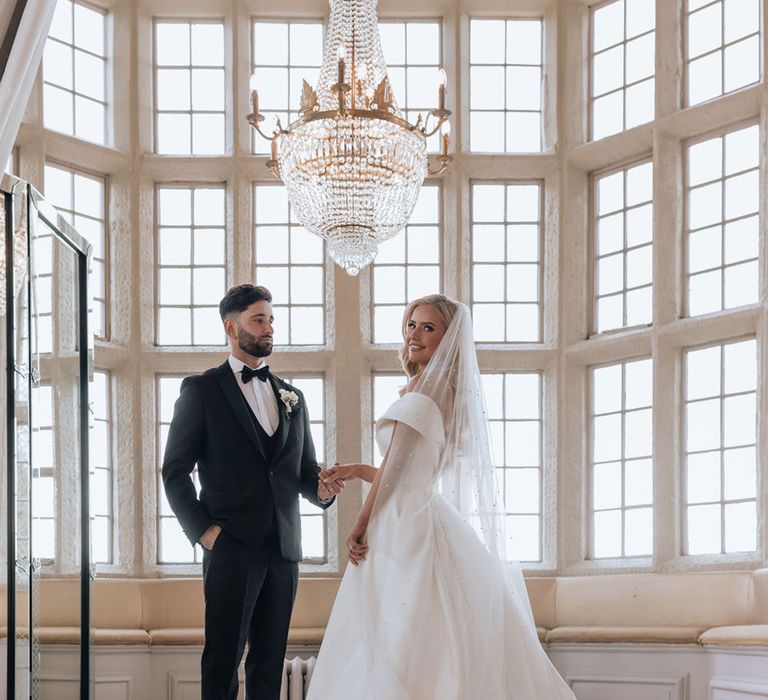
{"points": [[431, 614]]}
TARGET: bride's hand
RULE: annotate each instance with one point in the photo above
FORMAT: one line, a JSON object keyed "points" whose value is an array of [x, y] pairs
{"points": [[345, 472], [356, 543]]}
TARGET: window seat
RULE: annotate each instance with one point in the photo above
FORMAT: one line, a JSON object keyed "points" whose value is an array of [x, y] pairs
{"points": [[705, 609]]}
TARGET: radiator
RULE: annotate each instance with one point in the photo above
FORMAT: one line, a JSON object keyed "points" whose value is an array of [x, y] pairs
{"points": [[297, 673]]}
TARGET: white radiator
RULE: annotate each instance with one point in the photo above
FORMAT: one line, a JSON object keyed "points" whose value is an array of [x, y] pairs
{"points": [[297, 673]]}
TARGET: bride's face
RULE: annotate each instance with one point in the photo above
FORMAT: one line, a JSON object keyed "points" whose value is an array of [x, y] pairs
{"points": [[424, 332]]}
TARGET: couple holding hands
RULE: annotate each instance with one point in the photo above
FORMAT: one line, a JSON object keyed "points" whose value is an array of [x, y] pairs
{"points": [[430, 609]]}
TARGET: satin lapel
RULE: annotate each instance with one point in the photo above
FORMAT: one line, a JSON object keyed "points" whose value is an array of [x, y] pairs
{"points": [[285, 420], [236, 399]]}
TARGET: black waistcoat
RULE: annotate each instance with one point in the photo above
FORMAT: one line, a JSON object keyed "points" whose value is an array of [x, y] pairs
{"points": [[267, 440], [271, 541]]}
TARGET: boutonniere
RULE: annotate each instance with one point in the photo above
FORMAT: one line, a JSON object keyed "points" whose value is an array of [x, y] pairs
{"points": [[289, 399]]}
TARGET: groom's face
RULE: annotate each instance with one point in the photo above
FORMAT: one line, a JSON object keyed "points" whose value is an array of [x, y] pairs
{"points": [[252, 329]]}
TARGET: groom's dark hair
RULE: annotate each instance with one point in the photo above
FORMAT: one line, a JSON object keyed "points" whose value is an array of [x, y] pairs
{"points": [[238, 299]]}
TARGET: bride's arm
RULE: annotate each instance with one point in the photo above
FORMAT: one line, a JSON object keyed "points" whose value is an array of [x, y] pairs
{"points": [[350, 471], [357, 540]]}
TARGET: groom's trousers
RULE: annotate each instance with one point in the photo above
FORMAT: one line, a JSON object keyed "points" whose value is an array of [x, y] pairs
{"points": [[249, 595]]}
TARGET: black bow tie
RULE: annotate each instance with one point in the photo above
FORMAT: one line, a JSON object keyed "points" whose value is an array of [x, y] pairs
{"points": [[261, 373]]}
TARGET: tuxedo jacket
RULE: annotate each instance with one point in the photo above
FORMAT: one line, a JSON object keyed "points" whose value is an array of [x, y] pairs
{"points": [[241, 488]]}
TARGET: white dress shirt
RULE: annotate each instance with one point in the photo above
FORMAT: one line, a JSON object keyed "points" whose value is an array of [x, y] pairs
{"points": [[259, 395]]}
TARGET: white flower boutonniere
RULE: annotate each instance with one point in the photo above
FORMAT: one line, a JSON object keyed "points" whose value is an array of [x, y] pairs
{"points": [[289, 399]]}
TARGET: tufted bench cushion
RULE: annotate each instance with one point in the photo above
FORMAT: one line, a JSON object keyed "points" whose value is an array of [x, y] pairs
{"points": [[736, 635], [607, 634], [649, 608], [116, 611], [754, 634], [713, 609], [173, 611]]}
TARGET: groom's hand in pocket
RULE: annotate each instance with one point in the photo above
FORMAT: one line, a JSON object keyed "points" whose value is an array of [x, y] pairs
{"points": [[209, 537]]}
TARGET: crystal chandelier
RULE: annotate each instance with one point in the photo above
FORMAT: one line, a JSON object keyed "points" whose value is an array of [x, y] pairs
{"points": [[353, 165]]}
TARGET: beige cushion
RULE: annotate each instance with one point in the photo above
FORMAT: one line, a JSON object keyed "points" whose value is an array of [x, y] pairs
{"points": [[314, 601], [195, 636], [542, 593], [636, 635], [177, 635], [305, 635], [654, 600], [172, 603], [116, 603], [737, 635], [71, 635], [21, 605], [542, 632], [58, 602], [760, 596]]}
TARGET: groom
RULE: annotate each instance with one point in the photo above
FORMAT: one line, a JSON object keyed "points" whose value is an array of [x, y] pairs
{"points": [[248, 432]]}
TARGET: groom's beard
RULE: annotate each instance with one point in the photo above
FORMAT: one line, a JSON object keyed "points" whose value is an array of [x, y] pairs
{"points": [[252, 345]]}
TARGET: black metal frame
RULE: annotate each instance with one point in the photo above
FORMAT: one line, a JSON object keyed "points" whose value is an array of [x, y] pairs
{"points": [[10, 433], [66, 234]]}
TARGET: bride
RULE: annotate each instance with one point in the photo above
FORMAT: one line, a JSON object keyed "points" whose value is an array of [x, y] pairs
{"points": [[429, 609]]}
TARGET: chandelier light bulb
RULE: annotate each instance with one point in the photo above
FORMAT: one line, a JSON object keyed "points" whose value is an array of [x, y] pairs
{"points": [[253, 82], [443, 77]]}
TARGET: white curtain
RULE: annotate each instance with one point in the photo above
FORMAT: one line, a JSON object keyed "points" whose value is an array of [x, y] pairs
{"points": [[23, 61]]}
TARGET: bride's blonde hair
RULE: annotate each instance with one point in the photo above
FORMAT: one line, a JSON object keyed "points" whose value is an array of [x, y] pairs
{"points": [[445, 306]]}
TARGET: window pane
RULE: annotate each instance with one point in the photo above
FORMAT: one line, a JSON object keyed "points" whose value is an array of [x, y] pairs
{"points": [[290, 262], [721, 472], [723, 42], [100, 425], [284, 55], [506, 270], [413, 53], [407, 267], [514, 403], [80, 198], [189, 87], [74, 72], [623, 61], [622, 465], [505, 100], [191, 272], [723, 200], [623, 241]]}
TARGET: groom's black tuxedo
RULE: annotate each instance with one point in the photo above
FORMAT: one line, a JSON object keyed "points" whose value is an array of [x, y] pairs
{"points": [[245, 482], [249, 485]]}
